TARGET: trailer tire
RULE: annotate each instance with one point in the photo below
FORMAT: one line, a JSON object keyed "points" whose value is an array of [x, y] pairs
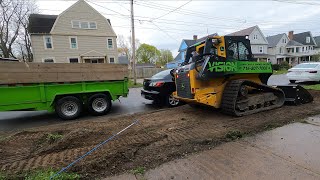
{"points": [[68, 107], [99, 104]]}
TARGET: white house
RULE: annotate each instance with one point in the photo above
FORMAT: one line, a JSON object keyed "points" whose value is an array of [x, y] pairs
{"points": [[259, 43], [80, 34], [293, 48]]}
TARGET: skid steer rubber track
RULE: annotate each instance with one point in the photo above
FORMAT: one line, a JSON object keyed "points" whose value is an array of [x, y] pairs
{"points": [[260, 98]]}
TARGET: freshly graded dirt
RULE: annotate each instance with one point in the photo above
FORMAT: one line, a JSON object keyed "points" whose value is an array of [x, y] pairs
{"points": [[159, 137]]}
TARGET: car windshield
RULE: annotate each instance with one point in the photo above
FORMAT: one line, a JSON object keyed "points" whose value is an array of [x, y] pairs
{"points": [[306, 66], [162, 74]]}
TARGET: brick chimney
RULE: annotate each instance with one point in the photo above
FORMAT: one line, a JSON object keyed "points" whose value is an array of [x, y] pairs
{"points": [[290, 35], [195, 37]]}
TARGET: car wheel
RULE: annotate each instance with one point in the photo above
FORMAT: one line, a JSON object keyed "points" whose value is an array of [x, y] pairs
{"points": [[172, 101], [99, 104], [292, 81], [68, 107]]}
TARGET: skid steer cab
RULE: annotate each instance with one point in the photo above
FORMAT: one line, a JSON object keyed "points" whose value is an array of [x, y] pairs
{"points": [[221, 72]]}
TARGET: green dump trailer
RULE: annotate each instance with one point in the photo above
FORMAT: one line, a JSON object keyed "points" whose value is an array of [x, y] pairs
{"points": [[68, 96]]}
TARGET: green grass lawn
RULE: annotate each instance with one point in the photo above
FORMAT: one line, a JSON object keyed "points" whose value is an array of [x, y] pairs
{"points": [[282, 71], [312, 87], [132, 85]]}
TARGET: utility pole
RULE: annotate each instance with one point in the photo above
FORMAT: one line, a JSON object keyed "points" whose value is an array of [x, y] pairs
{"points": [[133, 41]]}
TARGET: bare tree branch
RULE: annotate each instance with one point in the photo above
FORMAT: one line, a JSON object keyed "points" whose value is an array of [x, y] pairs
{"points": [[14, 37]]}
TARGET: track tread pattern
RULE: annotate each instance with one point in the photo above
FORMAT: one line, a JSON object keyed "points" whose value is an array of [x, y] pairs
{"points": [[230, 95]]}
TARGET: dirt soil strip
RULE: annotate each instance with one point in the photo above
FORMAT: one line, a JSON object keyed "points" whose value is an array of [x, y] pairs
{"points": [[160, 136]]}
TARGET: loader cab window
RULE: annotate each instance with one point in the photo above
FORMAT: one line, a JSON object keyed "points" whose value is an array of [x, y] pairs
{"points": [[243, 52], [238, 51]]}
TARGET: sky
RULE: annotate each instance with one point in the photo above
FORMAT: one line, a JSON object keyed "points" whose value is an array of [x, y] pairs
{"points": [[164, 23]]}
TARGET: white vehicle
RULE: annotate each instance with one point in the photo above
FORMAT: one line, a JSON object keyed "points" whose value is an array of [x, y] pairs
{"points": [[304, 72]]}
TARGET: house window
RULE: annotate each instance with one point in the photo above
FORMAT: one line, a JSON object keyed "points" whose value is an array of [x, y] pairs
{"points": [[48, 60], [75, 24], [261, 49], [255, 36], [297, 49], [111, 60], [73, 43], [93, 25], [73, 60], [280, 50], [307, 39], [84, 25], [284, 40], [110, 44], [302, 49], [48, 42]]}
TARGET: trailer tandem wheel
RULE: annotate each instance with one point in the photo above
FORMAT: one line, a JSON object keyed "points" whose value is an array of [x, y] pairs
{"points": [[68, 107], [99, 104]]}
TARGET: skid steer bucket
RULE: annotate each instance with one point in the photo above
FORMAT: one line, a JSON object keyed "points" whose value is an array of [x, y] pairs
{"points": [[296, 94]]}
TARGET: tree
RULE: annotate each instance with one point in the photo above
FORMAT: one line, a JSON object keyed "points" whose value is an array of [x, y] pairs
{"points": [[147, 54], [125, 48], [14, 37], [165, 57]]}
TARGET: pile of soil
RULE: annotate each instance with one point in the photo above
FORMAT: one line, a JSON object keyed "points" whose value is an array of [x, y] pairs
{"points": [[160, 136]]}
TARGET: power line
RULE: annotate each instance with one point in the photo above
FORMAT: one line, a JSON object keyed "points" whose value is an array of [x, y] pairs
{"points": [[172, 10], [164, 32]]}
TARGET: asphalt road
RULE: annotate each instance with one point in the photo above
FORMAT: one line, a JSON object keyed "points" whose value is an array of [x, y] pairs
{"points": [[23, 119], [132, 104]]}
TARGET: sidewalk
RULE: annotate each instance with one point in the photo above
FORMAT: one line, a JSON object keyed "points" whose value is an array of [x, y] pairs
{"points": [[288, 152]]}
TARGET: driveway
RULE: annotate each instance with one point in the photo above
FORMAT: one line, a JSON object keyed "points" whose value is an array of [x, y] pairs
{"points": [[18, 120]]}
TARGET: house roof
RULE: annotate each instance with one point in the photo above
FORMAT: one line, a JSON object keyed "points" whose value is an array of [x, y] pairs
{"points": [[317, 40], [243, 32], [293, 43], [301, 38], [205, 37], [189, 42], [41, 23], [274, 40]]}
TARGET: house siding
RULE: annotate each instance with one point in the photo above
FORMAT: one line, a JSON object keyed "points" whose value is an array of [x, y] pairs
{"points": [[282, 45], [255, 49], [82, 12], [91, 42], [256, 43], [260, 40], [62, 51]]}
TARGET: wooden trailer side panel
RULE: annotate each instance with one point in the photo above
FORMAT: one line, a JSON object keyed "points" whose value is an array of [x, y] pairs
{"points": [[19, 72]]}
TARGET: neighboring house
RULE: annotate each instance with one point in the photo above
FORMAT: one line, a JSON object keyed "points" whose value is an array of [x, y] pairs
{"points": [[80, 34], [277, 48], [185, 43], [259, 44], [293, 48], [302, 47], [317, 47]]}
